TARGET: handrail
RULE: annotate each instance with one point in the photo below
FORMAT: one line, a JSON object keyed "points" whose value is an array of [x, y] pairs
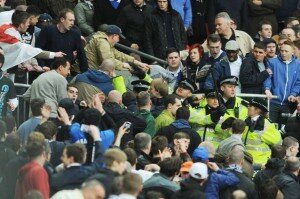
{"points": [[22, 85], [142, 54], [255, 95]]}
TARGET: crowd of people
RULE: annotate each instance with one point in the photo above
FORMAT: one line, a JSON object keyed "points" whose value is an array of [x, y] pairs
{"points": [[105, 122]]}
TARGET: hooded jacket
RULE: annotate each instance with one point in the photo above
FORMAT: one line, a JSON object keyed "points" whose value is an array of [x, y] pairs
{"points": [[181, 126], [285, 80], [96, 78], [32, 176]]}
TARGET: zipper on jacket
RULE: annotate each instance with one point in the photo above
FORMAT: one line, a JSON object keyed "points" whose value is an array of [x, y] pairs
{"points": [[287, 79]]}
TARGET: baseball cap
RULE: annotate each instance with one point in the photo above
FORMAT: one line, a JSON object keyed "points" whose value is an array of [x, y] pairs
{"points": [[68, 104], [113, 29], [232, 45], [199, 171], [200, 154], [186, 166]]}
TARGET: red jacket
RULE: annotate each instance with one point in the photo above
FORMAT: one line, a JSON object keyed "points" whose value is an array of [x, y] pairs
{"points": [[32, 176]]}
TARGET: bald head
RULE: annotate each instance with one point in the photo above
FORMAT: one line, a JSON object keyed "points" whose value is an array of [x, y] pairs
{"points": [[115, 96], [93, 189], [292, 164], [236, 156], [107, 65]]}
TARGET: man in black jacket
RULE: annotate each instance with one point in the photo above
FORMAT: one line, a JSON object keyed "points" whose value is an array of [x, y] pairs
{"points": [[254, 70], [288, 181], [164, 29], [132, 21], [120, 115]]}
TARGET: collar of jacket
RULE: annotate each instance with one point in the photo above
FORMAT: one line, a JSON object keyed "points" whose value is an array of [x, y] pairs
{"points": [[230, 104], [139, 8], [259, 125]]}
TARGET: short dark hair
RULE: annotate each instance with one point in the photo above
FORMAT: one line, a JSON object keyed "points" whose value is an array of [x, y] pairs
{"points": [[170, 99], [183, 113], [63, 13], [268, 189], [238, 126], [128, 98], [290, 19], [292, 164], [36, 106], [264, 22], [289, 141], [260, 45], [141, 141], [33, 10], [35, 149], [213, 38], [91, 116], [77, 151], [170, 166], [131, 155], [48, 129], [13, 141], [143, 98], [172, 50], [158, 143], [19, 17], [278, 151], [59, 61]]}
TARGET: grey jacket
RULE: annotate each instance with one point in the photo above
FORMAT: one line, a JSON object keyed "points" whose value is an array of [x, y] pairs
{"points": [[84, 17]]}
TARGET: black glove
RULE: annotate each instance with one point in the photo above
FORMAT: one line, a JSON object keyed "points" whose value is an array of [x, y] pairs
{"points": [[138, 72], [192, 100], [215, 116], [227, 123]]}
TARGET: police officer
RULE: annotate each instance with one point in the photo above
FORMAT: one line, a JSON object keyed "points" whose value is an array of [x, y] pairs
{"points": [[205, 119], [261, 134]]}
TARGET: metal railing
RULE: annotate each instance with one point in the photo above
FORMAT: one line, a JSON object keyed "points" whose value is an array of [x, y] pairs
{"points": [[257, 96], [142, 54]]}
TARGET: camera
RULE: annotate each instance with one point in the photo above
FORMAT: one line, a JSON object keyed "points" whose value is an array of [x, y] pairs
{"points": [[127, 125]]}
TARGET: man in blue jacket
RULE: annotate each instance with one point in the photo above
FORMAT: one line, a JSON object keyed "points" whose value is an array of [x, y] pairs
{"points": [[284, 83]]}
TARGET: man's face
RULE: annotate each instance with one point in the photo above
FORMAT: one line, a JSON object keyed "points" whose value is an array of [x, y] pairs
{"points": [[286, 52], [232, 55], [228, 90], [266, 31], [195, 56], [183, 93], [138, 3], [214, 48], [271, 50], [65, 159], [153, 92], [173, 60], [24, 26], [173, 107], [65, 71], [183, 142], [73, 93], [252, 111], [163, 5], [2, 3], [259, 54], [212, 102], [33, 20], [68, 22], [294, 150], [292, 23], [290, 33], [222, 25]]}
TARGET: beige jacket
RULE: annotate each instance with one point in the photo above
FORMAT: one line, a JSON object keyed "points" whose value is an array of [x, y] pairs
{"points": [[99, 49], [244, 40]]}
